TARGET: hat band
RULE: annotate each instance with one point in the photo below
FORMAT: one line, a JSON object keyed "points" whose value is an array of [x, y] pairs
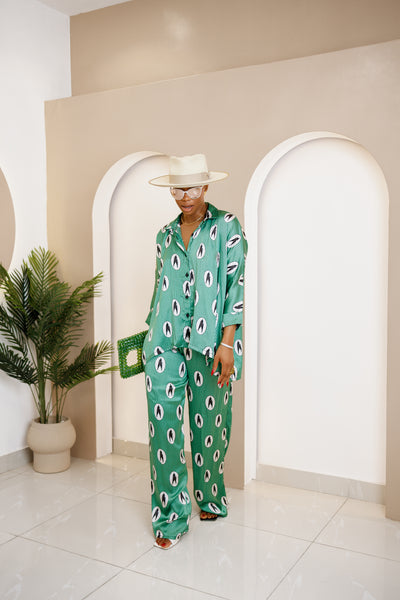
{"points": [[183, 179]]}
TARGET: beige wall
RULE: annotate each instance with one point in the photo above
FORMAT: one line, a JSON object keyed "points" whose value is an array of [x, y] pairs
{"points": [[152, 40], [7, 223], [235, 117]]}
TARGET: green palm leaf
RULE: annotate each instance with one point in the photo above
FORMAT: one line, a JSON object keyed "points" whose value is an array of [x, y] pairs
{"points": [[87, 363], [17, 366], [41, 319], [43, 275], [11, 332]]}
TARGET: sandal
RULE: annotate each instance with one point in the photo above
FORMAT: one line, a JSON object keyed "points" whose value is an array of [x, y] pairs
{"points": [[172, 542], [206, 516]]}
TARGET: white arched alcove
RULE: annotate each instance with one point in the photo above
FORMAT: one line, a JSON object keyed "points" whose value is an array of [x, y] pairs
{"points": [[137, 212], [7, 223], [16, 406], [316, 216], [148, 163]]}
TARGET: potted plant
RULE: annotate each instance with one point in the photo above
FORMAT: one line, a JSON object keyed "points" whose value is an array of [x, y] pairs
{"points": [[41, 321]]}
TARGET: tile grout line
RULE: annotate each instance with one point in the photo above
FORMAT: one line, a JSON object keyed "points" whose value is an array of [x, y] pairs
{"points": [[289, 571], [7, 541], [271, 531], [311, 543], [23, 535], [132, 569], [186, 587], [92, 495], [102, 585], [314, 542], [73, 553], [395, 560], [331, 519], [56, 547], [104, 491]]}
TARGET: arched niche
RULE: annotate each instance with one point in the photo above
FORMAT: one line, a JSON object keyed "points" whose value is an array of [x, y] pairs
{"points": [[127, 214], [133, 172], [7, 223], [285, 185]]}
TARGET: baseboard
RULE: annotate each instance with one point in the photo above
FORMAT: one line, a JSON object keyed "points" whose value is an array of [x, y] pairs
{"points": [[327, 484], [316, 482], [138, 450], [17, 459], [133, 449]]}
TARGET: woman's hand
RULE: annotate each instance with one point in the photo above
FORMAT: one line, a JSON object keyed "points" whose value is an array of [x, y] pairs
{"points": [[224, 356]]}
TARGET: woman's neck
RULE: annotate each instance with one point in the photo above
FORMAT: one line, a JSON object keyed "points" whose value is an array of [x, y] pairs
{"points": [[196, 218]]}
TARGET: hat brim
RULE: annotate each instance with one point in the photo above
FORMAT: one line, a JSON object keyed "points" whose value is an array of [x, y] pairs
{"points": [[164, 180]]}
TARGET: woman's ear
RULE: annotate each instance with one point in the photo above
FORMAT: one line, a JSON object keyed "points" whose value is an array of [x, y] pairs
{"points": [[205, 188]]}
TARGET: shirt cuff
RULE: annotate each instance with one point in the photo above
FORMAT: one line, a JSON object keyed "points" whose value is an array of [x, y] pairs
{"points": [[229, 319]]}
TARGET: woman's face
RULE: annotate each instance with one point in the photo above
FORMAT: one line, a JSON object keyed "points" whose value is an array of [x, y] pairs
{"points": [[190, 207]]}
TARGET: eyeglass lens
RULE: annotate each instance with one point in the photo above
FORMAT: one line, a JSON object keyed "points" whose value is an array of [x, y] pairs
{"points": [[193, 193]]}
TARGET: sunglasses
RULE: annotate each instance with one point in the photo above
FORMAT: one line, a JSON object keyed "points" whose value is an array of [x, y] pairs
{"points": [[193, 193]]}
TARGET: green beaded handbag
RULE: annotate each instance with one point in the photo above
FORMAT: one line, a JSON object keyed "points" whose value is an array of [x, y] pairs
{"points": [[125, 346]]}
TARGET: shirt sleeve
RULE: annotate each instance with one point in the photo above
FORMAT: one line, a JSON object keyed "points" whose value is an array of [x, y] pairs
{"points": [[157, 275], [236, 246]]}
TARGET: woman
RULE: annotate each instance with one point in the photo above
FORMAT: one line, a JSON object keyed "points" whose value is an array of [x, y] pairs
{"points": [[193, 346]]}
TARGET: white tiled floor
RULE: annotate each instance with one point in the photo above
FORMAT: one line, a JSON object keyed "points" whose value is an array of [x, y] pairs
{"points": [[86, 533]]}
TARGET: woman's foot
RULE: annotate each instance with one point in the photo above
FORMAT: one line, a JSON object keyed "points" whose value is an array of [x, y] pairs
{"points": [[163, 543], [166, 543], [206, 516]]}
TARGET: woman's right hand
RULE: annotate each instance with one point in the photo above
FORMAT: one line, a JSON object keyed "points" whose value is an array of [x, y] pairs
{"points": [[223, 356]]}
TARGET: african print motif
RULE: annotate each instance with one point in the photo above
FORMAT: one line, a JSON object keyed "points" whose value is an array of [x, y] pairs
{"points": [[169, 377], [198, 291]]}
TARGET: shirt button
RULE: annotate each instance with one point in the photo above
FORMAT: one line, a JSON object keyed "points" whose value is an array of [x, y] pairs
{"points": [[187, 315], [186, 274]]}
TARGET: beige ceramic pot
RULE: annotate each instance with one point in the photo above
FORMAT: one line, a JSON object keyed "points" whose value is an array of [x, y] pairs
{"points": [[51, 444]]}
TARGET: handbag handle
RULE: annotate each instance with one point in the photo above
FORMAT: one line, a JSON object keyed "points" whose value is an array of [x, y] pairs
{"points": [[133, 342]]}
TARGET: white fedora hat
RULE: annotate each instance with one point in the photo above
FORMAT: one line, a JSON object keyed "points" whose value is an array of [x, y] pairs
{"points": [[188, 171]]}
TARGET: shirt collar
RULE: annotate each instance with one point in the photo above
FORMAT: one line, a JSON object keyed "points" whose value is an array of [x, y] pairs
{"points": [[212, 213]]}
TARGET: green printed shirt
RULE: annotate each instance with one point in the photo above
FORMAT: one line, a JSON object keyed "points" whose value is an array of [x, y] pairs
{"points": [[198, 291]]}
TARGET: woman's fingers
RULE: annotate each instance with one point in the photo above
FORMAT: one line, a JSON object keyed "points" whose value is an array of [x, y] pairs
{"points": [[224, 356], [215, 363]]}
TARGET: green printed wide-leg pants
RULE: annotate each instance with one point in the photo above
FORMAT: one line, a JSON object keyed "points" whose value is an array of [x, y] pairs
{"points": [[168, 376]]}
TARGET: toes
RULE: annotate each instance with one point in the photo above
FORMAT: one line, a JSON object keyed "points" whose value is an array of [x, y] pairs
{"points": [[207, 516], [163, 542]]}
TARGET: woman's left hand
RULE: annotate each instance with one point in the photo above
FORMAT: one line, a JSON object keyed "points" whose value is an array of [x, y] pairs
{"points": [[224, 356]]}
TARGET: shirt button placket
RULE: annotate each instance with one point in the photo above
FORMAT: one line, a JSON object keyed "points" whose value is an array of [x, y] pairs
{"points": [[187, 299]]}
